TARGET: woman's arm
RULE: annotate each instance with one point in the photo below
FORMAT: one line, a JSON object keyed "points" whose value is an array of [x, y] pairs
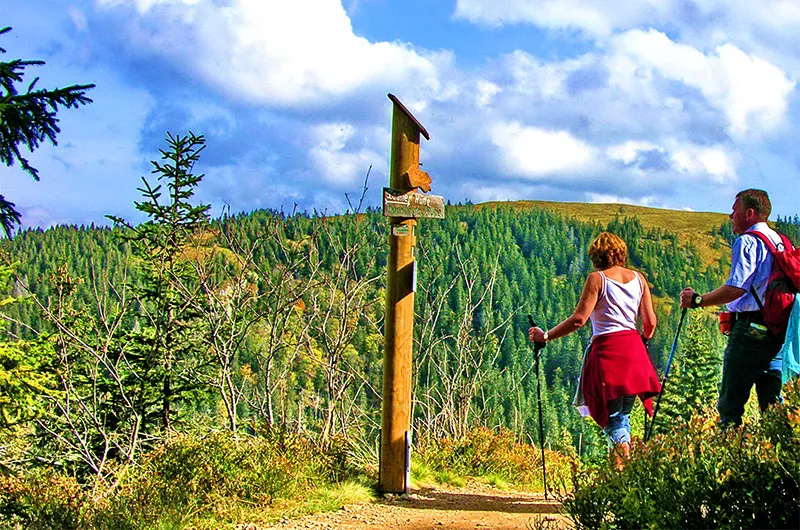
{"points": [[646, 311], [591, 290]]}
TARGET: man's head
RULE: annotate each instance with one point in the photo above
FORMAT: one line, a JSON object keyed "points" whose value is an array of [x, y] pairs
{"points": [[750, 207], [608, 250]]}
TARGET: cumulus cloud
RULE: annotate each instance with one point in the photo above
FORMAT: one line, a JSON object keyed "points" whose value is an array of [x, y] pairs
{"points": [[276, 52], [604, 198], [715, 163], [600, 19], [531, 152], [752, 93], [592, 18], [486, 92], [334, 162]]}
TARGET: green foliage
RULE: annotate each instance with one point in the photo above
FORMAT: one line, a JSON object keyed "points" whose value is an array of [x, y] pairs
{"points": [[195, 481], [168, 343], [496, 454], [192, 478], [470, 312], [26, 375], [695, 373], [28, 119], [697, 476]]}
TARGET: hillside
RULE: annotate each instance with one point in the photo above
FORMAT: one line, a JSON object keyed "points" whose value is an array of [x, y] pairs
{"points": [[691, 227]]}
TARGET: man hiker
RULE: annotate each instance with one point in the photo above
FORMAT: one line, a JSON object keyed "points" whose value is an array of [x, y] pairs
{"points": [[750, 356]]}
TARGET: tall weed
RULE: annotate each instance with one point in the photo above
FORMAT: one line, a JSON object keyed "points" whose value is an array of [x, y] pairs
{"points": [[202, 482]]}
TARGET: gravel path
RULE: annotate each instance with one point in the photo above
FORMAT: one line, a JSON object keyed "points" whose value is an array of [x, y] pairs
{"points": [[473, 507]]}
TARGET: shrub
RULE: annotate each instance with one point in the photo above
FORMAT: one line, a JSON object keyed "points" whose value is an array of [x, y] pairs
{"points": [[190, 478], [485, 452], [698, 476], [42, 499]]}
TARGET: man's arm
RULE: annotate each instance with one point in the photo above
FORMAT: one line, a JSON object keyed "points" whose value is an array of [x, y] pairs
{"points": [[720, 295]]}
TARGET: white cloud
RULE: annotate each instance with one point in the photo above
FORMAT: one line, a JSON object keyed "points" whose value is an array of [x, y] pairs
{"points": [[278, 52], [628, 152], [143, 6], [78, 18], [600, 19], [335, 160], [486, 92], [606, 198], [752, 93], [715, 163], [532, 152], [758, 92], [592, 18]]}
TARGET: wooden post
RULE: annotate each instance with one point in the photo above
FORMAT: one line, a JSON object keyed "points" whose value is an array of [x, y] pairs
{"points": [[399, 316]]}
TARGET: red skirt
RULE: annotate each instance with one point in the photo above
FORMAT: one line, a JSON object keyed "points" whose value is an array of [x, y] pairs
{"points": [[617, 365]]}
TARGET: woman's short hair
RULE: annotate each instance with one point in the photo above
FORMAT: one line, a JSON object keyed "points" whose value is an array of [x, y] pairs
{"points": [[608, 250]]}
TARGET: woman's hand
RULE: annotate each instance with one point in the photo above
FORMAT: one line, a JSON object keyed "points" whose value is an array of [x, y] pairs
{"points": [[536, 334]]}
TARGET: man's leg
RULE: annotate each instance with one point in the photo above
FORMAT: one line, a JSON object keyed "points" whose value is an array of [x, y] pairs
{"points": [[737, 377], [768, 388], [747, 363]]}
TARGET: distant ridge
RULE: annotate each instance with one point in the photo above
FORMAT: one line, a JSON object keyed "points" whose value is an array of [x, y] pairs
{"points": [[694, 227]]}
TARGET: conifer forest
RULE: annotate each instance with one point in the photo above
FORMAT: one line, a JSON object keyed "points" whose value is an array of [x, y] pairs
{"points": [[268, 322]]}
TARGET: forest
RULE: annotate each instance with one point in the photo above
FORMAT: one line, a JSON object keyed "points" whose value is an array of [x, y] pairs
{"points": [[120, 338]]}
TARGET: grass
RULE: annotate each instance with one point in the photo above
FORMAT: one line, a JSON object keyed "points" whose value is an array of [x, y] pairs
{"points": [[423, 476], [334, 497]]}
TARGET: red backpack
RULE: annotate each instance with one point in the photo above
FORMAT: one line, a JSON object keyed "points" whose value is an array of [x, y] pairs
{"points": [[782, 285]]}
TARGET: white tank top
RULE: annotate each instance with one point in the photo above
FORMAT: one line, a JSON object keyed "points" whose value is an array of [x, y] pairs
{"points": [[617, 305]]}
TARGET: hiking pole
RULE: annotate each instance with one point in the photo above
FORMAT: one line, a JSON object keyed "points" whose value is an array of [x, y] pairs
{"points": [[666, 374], [537, 349]]}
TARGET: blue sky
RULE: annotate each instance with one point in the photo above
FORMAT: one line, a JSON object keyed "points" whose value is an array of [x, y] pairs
{"points": [[664, 103]]}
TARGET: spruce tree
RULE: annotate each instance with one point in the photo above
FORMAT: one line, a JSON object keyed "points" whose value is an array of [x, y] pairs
{"points": [[169, 291], [27, 119], [693, 380]]}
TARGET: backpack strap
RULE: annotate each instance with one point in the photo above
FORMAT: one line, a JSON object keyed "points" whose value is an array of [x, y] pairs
{"points": [[787, 245], [767, 241]]}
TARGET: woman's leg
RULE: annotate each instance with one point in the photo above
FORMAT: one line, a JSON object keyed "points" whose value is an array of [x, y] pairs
{"points": [[618, 429]]}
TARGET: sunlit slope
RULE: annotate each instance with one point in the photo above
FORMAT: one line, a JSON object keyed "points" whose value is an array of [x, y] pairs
{"points": [[694, 227]]}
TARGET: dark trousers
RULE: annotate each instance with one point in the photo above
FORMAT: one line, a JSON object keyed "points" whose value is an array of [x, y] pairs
{"points": [[747, 363]]}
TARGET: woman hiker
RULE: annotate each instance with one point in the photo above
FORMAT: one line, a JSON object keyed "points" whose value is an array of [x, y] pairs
{"points": [[617, 367]]}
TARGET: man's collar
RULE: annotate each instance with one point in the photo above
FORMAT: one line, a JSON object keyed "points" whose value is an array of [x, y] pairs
{"points": [[755, 226]]}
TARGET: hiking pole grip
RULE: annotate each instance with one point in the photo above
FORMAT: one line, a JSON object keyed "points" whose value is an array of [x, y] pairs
{"points": [[537, 346]]}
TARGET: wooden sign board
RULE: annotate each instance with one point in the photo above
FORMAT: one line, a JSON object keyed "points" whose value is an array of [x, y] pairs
{"points": [[412, 205]]}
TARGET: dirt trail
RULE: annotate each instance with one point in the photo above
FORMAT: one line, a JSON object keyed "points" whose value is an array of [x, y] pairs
{"points": [[474, 507]]}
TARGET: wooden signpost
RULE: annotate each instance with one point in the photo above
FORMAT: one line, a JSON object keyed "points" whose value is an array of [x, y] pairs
{"points": [[402, 203]]}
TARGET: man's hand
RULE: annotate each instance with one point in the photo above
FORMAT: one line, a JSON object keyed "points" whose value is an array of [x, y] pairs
{"points": [[687, 298]]}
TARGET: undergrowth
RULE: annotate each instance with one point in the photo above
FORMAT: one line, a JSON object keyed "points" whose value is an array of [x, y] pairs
{"points": [[699, 476], [496, 457], [211, 481]]}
